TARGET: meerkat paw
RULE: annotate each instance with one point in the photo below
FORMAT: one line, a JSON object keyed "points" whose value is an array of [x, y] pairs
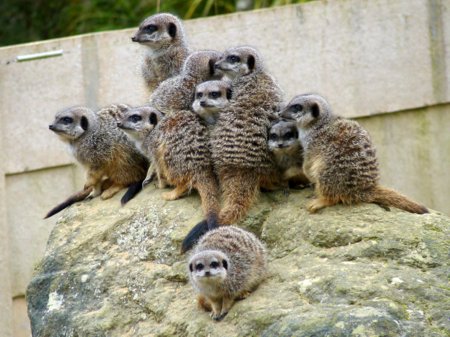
{"points": [[146, 182], [317, 204], [168, 196], [110, 192], [218, 317]]}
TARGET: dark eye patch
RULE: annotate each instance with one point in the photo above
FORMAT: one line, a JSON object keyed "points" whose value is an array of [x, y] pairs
{"points": [[214, 94], [273, 136], [233, 58], [199, 95], [214, 264], [67, 120], [149, 29], [289, 135], [297, 108], [135, 118], [199, 267]]}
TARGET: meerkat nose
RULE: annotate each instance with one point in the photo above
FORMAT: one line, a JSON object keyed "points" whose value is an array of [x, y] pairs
{"points": [[207, 273], [51, 127], [119, 124], [203, 103], [134, 39]]}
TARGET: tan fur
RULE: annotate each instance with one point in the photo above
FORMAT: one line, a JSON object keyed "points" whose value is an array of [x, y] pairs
{"points": [[340, 158], [240, 266], [239, 139], [167, 48], [102, 148]]}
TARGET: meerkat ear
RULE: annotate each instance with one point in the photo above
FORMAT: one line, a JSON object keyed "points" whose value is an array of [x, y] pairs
{"points": [[315, 110], [190, 267], [153, 118], [251, 62], [229, 93], [84, 123], [225, 264], [211, 67], [172, 30]]}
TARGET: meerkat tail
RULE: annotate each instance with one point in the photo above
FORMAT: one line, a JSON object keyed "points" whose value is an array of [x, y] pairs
{"points": [[194, 235], [240, 191], [208, 188], [78, 196], [131, 192], [387, 197]]}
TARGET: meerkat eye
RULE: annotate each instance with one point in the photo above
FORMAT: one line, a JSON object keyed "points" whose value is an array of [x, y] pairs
{"points": [[135, 118], [297, 107], [150, 29], [67, 120], [214, 94], [199, 267], [199, 95], [233, 59], [273, 136], [214, 264]]}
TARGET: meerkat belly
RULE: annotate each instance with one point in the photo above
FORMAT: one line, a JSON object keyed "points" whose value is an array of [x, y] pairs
{"points": [[292, 172]]}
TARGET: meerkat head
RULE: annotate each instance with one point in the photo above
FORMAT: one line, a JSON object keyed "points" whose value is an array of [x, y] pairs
{"points": [[306, 110], [208, 266], [200, 65], [139, 122], [159, 31], [239, 61], [70, 124], [283, 135], [210, 98]]}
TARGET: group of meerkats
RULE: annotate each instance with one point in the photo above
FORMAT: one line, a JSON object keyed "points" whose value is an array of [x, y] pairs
{"points": [[216, 123]]}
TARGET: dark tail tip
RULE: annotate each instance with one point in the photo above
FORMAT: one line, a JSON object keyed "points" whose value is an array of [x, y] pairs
{"points": [[59, 208], [211, 220], [131, 192], [194, 235]]}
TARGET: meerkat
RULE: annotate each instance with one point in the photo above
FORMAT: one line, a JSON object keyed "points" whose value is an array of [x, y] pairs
{"points": [[239, 147], [239, 142], [111, 160], [210, 98], [138, 123], [287, 153], [176, 93], [167, 49], [227, 264], [340, 158]]}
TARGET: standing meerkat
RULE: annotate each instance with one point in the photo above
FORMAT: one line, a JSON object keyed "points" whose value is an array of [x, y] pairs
{"points": [[210, 98], [167, 49], [177, 93], [340, 158], [180, 147], [111, 160], [227, 264], [287, 152], [138, 123], [239, 141]]}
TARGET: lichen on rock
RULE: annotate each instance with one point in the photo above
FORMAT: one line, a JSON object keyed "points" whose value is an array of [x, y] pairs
{"points": [[346, 271]]}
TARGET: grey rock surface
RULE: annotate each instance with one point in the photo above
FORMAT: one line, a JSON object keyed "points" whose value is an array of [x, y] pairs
{"points": [[346, 271]]}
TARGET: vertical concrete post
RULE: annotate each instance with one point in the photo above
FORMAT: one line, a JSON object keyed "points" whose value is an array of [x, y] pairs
{"points": [[6, 313]]}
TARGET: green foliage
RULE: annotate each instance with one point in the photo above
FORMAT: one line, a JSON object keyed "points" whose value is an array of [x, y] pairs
{"points": [[32, 20]]}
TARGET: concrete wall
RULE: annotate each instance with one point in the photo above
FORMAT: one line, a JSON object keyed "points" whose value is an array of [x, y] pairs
{"points": [[383, 62]]}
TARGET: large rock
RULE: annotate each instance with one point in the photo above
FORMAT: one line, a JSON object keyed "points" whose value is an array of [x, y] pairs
{"points": [[346, 271]]}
